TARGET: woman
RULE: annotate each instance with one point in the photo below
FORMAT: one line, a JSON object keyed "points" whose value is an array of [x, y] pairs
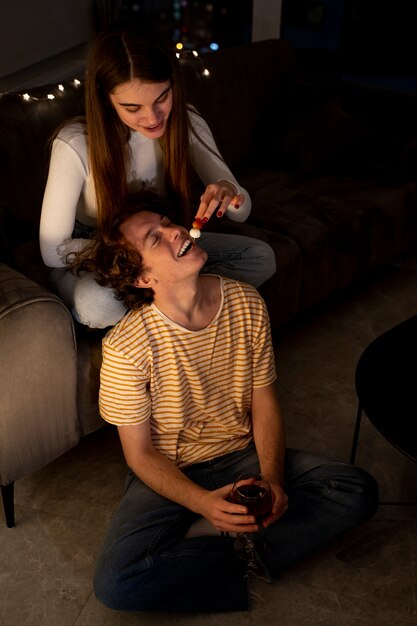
{"points": [[138, 130]]}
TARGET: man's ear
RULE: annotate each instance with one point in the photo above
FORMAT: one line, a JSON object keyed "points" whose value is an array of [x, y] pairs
{"points": [[144, 282]]}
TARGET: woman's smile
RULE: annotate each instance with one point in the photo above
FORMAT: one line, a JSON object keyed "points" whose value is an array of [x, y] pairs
{"points": [[155, 128], [143, 107]]}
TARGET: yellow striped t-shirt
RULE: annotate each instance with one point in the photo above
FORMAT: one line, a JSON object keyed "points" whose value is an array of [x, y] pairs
{"points": [[195, 387]]}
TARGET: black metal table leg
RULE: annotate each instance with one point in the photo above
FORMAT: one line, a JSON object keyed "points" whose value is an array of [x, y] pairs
{"points": [[7, 493], [356, 435]]}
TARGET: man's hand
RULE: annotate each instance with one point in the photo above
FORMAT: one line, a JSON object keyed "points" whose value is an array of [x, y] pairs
{"points": [[225, 515], [162, 475], [279, 505]]}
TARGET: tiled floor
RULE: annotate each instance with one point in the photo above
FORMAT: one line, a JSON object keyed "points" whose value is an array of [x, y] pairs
{"points": [[369, 577]]}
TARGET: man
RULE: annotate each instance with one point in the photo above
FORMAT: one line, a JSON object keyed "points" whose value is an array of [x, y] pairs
{"points": [[188, 378]]}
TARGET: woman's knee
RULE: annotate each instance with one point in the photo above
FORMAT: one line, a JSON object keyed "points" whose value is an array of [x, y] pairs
{"points": [[96, 306], [90, 304], [264, 263], [270, 262]]}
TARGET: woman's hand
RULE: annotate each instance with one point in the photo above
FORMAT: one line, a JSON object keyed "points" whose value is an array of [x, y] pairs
{"points": [[216, 199]]}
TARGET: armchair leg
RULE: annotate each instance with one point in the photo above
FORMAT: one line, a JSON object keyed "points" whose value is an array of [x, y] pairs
{"points": [[7, 493]]}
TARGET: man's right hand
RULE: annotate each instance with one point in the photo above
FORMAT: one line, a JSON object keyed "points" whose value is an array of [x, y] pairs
{"points": [[225, 515]]}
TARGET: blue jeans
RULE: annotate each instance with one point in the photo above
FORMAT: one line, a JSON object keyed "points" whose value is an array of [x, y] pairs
{"points": [[234, 256], [147, 565], [240, 258]]}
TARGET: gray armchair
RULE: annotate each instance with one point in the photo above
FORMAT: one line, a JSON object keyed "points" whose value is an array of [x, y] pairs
{"points": [[39, 416]]}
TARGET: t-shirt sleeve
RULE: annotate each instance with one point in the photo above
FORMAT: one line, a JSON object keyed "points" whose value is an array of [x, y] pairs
{"points": [[124, 390], [263, 358]]}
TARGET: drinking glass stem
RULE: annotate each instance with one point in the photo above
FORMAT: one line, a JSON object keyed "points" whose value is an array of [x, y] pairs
{"points": [[250, 545]]}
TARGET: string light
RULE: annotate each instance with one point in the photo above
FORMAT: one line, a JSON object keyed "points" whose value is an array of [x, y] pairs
{"points": [[50, 95], [181, 54], [187, 55]]}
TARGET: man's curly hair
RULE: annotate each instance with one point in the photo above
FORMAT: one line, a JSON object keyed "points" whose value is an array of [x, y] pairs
{"points": [[112, 259]]}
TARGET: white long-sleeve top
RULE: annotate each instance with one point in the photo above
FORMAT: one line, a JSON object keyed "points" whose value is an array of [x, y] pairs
{"points": [[70, 195]]}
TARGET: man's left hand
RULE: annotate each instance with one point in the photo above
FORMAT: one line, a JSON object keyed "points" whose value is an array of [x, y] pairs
{"points": [[279, 506]]}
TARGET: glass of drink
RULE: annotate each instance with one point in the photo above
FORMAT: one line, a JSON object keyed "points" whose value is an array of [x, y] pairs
{"points": [[254, 492]]}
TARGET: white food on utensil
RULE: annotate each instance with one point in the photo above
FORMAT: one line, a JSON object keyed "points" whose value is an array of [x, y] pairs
{"points": [[195, 233]]}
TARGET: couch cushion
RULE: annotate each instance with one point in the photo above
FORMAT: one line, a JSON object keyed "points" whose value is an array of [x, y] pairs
{"points": [[343, 226], [321, 136]]}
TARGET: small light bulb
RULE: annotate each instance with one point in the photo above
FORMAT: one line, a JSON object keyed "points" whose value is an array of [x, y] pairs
{"points": [[50, 96], [61, 87], [26, 96], [76, 82], [195, 53], [206, 72], [179, 46]]}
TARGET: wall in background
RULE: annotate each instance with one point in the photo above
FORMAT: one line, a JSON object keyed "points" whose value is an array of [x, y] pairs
{"points": [[266, 19], [361, 36], [34, 30], [45, 41]]}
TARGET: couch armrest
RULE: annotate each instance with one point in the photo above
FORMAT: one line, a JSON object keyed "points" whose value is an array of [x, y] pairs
{"points": [[38, 370]]}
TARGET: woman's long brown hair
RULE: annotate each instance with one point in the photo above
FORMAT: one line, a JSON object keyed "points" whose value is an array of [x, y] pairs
{"points": [[118, 55]]}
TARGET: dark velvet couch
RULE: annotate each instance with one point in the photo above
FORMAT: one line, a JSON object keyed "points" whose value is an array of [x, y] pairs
{"points": [[331, 168]]}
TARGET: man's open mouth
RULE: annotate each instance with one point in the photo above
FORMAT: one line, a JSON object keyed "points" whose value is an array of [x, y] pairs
{"points": [[185, 248]]}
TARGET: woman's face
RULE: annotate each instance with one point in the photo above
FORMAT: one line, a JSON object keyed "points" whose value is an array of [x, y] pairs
{"points": [[144, 107]]}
